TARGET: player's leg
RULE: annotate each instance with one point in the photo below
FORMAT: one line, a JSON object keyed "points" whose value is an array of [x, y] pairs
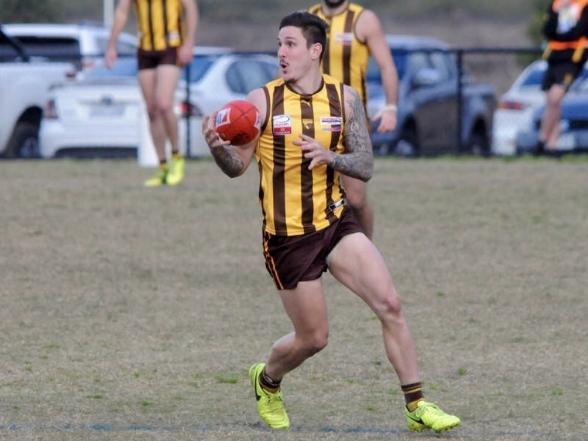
{"points": [[167, 80], [148, 84], [357, 264], [356, 193], [550, 123], [306, 308]]}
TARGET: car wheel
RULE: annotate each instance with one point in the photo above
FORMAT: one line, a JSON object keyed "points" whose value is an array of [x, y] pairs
{"points": [[407, 144], [478, 145], [24, 142], [382, 149]]}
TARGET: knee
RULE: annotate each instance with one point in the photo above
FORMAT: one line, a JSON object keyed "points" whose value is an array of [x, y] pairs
{"points": [[315, 343], [153, 112], [389, 308], [555, 97], [164, 107], [553, 102]]}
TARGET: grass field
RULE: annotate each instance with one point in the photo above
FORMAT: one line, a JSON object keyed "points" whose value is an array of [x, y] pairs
{"points": [[134, 314]]}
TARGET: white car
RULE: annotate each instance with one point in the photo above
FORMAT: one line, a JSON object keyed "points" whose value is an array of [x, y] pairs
{"points": [[227, 77], [24, 88], [81, 44], [516, 108], [103, 114]]}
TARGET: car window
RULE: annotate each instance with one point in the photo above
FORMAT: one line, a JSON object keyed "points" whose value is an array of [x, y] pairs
{"points": [[51, 48], [199, 67], [373, 71], [534, 78], [418, 61], [271, 70], [441, 62], [245, 75]]}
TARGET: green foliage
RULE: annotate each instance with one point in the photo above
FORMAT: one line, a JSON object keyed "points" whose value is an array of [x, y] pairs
{"points": [[535, 25], [534, 28]]}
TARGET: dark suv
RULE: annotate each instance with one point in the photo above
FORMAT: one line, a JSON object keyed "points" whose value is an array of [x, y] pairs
{"points": [[427, 102]]}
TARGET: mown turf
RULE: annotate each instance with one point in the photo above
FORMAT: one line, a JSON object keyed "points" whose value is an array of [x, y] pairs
{"points": [[134, 314]]}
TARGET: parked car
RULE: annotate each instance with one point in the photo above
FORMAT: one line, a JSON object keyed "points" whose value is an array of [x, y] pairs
{"points": [[573, 123], [24, 88], [81, 44], [517, 106], [427, 120], [100, 114], [228, 77], [97, 115]]}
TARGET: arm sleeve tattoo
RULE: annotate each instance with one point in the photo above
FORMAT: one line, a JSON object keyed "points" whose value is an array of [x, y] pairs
{"points": [[358, 159], [228, 161]]}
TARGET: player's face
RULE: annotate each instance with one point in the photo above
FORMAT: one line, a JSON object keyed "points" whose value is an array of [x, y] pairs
{"points": [[294, 56]]}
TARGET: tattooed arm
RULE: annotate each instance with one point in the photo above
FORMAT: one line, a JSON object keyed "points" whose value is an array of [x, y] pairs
{"points": [[233, 161], [227, 157], [358, 160]]}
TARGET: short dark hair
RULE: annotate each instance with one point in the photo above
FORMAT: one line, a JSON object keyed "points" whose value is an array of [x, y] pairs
{"points": [[313, 27]]}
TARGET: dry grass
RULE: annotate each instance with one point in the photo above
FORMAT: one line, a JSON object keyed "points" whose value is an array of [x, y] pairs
{"points": [[133, 314]]}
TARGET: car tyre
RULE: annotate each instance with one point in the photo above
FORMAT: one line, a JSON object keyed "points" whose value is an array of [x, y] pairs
{"points": [[24, 142], [407, 144], [478, 145]]}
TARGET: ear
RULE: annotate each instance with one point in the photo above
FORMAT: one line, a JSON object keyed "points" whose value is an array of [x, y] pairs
{"points": [[315, 51]]}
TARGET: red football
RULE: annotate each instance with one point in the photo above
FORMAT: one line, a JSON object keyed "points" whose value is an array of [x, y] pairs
{"points": [[238, 122]]}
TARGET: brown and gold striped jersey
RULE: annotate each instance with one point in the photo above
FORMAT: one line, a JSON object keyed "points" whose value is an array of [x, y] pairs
{"points": [[346, 58], [160, 24], [296, 200]]}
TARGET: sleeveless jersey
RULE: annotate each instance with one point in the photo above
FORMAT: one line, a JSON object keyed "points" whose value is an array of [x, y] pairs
{"points": [[160, 24], [568, 18], [346, 58], [295, 200]]}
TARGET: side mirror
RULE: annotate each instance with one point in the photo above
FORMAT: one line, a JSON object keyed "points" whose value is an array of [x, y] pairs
{"points": [[426, 77]]}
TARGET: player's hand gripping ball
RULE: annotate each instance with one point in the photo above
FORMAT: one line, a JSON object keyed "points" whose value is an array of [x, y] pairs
{"points": [[238, 122]]}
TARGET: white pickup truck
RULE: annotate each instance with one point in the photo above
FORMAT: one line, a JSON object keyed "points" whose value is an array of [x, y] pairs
{"points": [[24, 88]]}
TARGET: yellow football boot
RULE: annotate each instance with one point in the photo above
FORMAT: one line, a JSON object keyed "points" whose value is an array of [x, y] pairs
{"points": [[270, 406]]}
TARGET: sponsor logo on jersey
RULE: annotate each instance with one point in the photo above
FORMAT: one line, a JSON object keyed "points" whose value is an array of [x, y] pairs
{"points": [[282, 125], [344, 38], [331, 123]]}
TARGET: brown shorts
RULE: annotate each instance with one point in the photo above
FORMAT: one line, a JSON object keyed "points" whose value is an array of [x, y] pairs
{"points": [[152, 59], [293, 259]]}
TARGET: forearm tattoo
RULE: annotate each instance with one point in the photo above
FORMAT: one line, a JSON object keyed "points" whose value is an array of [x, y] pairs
{"points": [[228, 161], [358, 159]]}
